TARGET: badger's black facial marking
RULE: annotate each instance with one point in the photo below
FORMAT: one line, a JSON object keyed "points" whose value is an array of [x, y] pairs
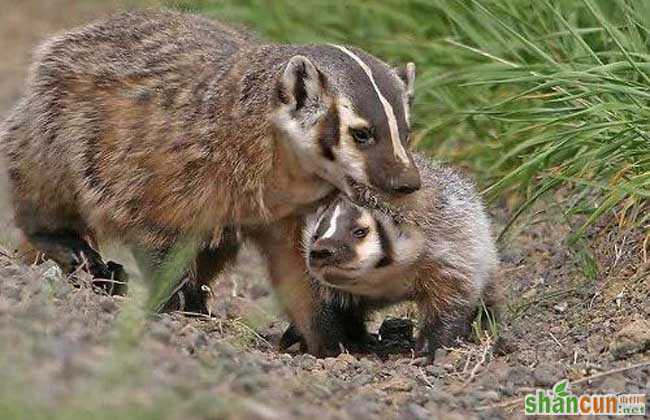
{"points": [[386, 248], [299, 88], [329, 133]]}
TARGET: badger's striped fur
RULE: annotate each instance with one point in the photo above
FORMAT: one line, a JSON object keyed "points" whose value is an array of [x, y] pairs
{"points": [[152, 127], [433, 247]]}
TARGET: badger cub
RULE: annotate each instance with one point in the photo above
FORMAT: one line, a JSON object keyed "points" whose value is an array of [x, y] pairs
{"points": [[434, 248]]}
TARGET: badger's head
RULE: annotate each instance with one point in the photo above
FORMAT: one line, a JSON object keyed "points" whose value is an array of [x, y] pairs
{"points": [[345, 114], [359, 250]]}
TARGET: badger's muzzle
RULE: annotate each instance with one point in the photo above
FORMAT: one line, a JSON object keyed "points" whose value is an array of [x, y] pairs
{"points": [[329, 252], [393, 177]]}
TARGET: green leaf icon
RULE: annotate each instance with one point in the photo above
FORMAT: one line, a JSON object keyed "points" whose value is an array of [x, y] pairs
{"points": [[560, 388]]}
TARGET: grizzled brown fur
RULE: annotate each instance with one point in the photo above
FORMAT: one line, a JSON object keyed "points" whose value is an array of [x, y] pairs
{"points": [[131, 120], [433, 248], [151, 127]]}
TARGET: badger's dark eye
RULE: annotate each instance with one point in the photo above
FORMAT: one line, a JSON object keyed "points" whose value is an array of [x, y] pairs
{"points": [[360, 233], [362, 135]]}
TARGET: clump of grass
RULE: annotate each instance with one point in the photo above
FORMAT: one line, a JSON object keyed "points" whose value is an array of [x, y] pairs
{"points": [[533, 95]]}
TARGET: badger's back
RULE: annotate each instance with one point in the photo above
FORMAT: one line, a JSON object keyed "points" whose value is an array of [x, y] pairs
{"points": [[120, 121], [455, 223]]}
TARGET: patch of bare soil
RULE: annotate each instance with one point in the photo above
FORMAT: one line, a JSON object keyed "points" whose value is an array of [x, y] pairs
{"points": [[561, 321], [23, 25]]}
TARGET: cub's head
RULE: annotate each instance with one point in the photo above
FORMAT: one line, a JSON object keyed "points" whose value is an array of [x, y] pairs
{"points": [[358, 250], [346, 115]]}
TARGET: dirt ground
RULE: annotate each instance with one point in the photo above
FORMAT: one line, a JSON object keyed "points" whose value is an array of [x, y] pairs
{"points": [[571, 312]]}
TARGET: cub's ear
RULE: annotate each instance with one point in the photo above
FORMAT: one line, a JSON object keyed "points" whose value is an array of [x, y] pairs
{"points": [[407, 74], [301, 83]]}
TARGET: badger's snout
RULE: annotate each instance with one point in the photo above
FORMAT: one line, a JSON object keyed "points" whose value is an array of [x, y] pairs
{"points": [[327, 252]]}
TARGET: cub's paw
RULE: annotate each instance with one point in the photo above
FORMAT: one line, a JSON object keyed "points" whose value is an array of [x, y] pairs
{"points": [[110, 278], [190, 298]]}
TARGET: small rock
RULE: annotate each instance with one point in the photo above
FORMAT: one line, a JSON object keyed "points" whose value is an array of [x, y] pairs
{"points": [[545, 374], [487, 396], [305, 361], [53, 273], [329, 362], [363, 379], [108, 304], [397, 384], [530, 293], [434, 370], [160, 332], [633, 338], [286, 358], [519, 376], [415, 412], [440, 353], [199, 339], [561, 307], [596, 344], [347, 358]]}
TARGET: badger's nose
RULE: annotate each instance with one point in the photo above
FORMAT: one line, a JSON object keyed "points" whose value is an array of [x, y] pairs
{"points": [[405, 189], [408, 182], [328, 252], [321, 254]]}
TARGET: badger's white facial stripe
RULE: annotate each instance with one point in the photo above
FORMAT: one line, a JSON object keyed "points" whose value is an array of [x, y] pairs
{"points": [[331, 230], [369, 250], [398, 149]]}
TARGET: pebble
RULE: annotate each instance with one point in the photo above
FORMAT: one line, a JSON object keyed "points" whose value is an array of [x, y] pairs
{"points": [[561, 307], [440, 353], [108, 304], [305, 361], [545, 374], [397, 384], [160, 332], [347, 358], [633, 338], [415, 412]]}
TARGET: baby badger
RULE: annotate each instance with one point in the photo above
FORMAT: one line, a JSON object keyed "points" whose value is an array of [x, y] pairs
{"points": [[160, 128], [435, 249]]}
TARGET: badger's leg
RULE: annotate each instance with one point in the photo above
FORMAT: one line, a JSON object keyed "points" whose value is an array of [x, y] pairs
{"points": [[280, 245], [446, 313], [443, 329], [71, 252], [338, 327], [209, 262], [189, 293], [48, 217], [328, 327], [328, 330]]}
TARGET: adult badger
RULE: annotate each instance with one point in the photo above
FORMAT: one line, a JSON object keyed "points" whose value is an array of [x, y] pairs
{"points": [[158, 128]]}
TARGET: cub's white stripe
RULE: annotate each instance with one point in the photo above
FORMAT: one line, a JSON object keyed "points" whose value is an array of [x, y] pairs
{"points": [[332, 229], [398, 149]]}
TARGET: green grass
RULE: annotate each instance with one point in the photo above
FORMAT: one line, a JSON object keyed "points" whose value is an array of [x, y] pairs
{"points": [[532, 95]]}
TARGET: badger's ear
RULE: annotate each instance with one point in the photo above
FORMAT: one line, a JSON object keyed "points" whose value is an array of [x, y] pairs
{"points": [[301, 83], [407, 74]]}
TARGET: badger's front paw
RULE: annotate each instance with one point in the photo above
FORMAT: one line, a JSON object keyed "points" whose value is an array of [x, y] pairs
{"points": [[440, 336], [318, 345]]}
